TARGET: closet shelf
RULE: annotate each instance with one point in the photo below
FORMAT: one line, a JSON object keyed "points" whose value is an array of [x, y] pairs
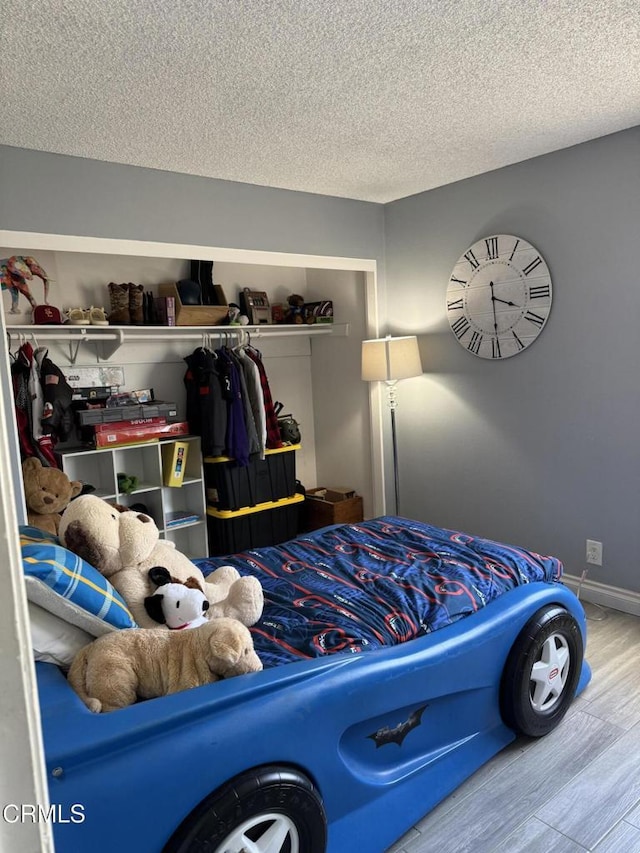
{"points": [[112, 338]]}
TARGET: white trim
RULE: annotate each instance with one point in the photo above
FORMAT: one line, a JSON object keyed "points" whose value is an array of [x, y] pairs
{"points": [[23, 777], [615, 597], [141, 248], [105, 245], [375, 402]]}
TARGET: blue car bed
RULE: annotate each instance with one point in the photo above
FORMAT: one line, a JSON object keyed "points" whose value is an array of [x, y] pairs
{"points": [[398, 658]]}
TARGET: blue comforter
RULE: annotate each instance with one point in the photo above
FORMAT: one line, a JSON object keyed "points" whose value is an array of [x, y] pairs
{"points": [[357, 587]]}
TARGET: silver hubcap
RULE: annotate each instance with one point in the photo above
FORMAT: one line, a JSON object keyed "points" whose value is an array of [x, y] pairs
{"points": [[263, 833], [549, 673]]}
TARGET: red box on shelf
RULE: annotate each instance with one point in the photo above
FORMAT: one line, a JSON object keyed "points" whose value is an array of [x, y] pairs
{"points": [[136, 423], [132, 435]]}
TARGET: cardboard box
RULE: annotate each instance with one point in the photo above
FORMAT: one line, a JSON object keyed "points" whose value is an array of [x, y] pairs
{"points": [[194, 315], [135, 435], [325, 506], [95, 377], [131, 424], [337, 494]]}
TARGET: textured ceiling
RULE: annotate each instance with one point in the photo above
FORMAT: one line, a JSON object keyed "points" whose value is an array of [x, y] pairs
{"points": [[368, 99]]}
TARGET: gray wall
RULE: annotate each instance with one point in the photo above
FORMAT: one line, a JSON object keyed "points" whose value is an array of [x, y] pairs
{"points": [[542, 449], [49, 193], [52, 193]]}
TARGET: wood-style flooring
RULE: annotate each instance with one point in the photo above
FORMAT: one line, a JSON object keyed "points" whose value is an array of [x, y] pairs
{"points": [[574, 790]]}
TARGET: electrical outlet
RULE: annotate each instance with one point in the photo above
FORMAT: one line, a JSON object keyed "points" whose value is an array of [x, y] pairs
{"points": [[594, 552]]}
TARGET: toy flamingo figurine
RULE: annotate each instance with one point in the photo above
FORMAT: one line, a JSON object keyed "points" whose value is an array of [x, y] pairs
{"points": [[15, 273]]}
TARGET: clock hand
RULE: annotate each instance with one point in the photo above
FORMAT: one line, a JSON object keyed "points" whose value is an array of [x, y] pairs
{"points": [[493, 305], [505, 302]]}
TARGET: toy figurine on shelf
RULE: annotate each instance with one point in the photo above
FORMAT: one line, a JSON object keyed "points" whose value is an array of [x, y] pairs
{"points": [[234, 317], [15, 274], [295, 312]]}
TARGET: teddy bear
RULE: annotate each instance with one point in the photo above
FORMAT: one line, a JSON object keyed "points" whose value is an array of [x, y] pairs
{"points": [[174, 604], [295, 312], [124, 545], [47, 492], [120, 667]]}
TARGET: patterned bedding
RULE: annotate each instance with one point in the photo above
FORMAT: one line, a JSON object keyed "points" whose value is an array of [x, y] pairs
{"points": [[357, 587]]}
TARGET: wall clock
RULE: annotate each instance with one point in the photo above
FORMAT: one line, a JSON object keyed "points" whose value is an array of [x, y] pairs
{"points": [[499, 296]]}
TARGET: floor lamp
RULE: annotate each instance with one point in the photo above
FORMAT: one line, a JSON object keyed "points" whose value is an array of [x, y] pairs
{"points": [[389, 360]]}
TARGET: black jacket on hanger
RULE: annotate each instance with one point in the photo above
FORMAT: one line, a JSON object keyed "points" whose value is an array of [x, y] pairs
{"points": [[206, 408]]}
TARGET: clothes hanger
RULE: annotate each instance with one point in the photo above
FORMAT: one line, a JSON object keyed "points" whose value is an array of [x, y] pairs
{"points": [[12, 355]]}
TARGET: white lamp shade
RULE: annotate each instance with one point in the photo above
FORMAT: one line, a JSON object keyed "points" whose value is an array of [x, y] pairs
{"points": [[390, 359]]}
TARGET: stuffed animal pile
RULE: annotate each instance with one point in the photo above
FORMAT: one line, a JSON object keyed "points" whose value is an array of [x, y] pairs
{"points": [[123, 546], [160, 586]]}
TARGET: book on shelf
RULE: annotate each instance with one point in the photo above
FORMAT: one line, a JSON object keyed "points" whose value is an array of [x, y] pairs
{"points": [[174, 462], [166, 310], [179, 517]]}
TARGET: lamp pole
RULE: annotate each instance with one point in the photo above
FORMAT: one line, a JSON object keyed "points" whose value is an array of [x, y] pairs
{"points": [[388, 360], [393, 405]]}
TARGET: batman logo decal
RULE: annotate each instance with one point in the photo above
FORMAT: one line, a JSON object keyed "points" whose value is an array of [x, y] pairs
{"points": [[398, 733]]}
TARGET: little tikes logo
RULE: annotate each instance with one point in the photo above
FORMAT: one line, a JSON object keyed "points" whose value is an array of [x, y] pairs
{"points": [[553, 673], [37, 813]]}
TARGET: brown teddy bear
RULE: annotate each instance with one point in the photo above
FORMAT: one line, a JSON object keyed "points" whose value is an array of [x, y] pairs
{"points": [[47, 492], [295, 312], [120, 667], [123, 546]]}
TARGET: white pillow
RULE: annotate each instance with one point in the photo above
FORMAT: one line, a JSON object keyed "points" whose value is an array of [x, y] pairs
{"points": [[53, 639]]}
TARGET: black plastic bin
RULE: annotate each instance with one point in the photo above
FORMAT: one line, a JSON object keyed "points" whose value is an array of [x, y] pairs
{"points": [[230, 486], [266, 523]]}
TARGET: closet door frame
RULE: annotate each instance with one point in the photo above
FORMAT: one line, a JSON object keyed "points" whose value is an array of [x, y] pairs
{"points": [[109, 246]]}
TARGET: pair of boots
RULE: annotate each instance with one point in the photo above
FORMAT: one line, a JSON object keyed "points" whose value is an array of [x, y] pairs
{"points": [[126, 304]]}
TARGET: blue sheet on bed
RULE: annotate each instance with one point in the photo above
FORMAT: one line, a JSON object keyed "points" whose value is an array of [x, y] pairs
{"points": [[358, 587]]}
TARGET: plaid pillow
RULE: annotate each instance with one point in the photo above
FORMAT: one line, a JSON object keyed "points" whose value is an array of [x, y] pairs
{"points": [[65, 585]]}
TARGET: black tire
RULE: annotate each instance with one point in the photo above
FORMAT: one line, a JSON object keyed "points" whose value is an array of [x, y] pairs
{"points": [[541, 675], [272, 798]]}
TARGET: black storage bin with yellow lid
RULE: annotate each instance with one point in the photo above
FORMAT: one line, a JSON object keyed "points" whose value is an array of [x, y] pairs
{"points": [[230, 486], [267, 523]]}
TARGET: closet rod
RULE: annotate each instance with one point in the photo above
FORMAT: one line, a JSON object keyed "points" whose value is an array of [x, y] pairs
{"points": [[114, 337], [164, 333]]}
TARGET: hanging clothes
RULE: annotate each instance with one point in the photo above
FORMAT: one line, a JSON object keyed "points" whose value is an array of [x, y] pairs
{"points": [[206, 407], [20, 372], [36, 393], [249, 419], [24, 371], [229, 403], [57, 418], [237, 441], [256, 398], [273, 430]]}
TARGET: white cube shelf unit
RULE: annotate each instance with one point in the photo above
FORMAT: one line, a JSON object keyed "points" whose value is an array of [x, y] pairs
{"points": [[100, 468]]}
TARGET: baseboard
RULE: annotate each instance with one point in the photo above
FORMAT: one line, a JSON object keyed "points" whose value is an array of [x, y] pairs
{"points": [[608, 596]]}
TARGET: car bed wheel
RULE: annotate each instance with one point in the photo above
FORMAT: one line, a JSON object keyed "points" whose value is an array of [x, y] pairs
{"points": [[269, 810], [542, 671]]}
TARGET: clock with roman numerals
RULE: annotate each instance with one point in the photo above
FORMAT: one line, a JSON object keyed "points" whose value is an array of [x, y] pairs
{"points": [[499, 296]]}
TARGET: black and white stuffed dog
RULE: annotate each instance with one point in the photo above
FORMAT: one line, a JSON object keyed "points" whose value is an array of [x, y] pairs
{"points": [[177, 605]]}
